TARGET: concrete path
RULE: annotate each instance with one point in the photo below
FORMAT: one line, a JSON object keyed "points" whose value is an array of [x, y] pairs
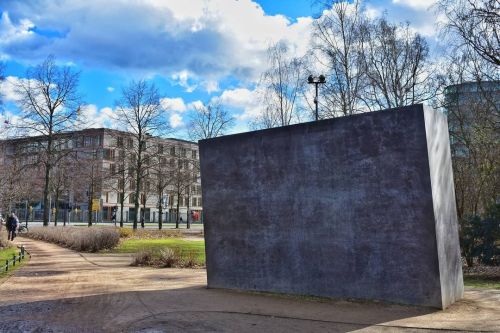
{"points": [[63, 291]]}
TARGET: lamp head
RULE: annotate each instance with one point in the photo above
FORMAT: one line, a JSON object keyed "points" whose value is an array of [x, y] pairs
{"points": [[322, 79], [310, 79]]}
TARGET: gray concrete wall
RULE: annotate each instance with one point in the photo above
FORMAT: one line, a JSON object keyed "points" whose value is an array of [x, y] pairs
{"points": [[339, 208]]}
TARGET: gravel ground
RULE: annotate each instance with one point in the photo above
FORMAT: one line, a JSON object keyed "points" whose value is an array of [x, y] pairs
{"points": [[60, 290]]}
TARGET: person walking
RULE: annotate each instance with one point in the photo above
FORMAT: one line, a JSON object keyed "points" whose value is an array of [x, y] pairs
{"points": [[12, 223]]}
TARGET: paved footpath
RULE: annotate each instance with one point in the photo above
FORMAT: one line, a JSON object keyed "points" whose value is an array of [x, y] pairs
{"points": [[63, 291]]}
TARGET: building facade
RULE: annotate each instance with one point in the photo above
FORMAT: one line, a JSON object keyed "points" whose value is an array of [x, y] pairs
{"points": [[97, 169]]}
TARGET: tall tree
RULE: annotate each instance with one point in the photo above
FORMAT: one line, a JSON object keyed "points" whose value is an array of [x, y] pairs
{"points": [[49, 101], [140, 113], [338, 44], [477, 25], [209, 121], [281, 85], [396, 65]]}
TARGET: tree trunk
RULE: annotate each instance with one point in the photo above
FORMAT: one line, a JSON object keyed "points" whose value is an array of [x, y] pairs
{"points": [[46, 207], [56, 208], [188, 224], [143, 212], [121, 209], [177, 215]]}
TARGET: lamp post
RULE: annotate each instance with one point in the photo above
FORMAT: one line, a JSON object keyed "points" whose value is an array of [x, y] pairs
{"points": [[316, 81]]}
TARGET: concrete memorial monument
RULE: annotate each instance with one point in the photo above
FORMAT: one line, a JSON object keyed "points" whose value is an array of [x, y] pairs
{"points": [[356, 207]]}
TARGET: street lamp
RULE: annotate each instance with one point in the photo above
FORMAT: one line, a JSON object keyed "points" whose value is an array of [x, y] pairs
{"points": [[316, 81]]}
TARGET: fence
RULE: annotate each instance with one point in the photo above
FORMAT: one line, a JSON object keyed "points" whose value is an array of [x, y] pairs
{"points": [[15, 258]]}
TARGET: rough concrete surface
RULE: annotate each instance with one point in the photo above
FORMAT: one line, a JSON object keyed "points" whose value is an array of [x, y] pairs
{"points": [[60, 290], [354, 207]]}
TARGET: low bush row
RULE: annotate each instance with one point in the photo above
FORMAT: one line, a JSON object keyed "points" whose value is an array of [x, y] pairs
{"points": [[78, 238], [167, 257]]}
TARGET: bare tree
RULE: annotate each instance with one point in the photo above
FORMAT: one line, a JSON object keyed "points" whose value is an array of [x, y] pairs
{"points": [[2, 78], [338, 44], [209, 121], [476, 23], [49, 102], [140, 113], [396, 65], [281, 85]]}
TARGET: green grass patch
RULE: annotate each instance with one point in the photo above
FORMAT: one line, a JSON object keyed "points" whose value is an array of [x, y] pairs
{"points": [[7, 254], [196, 247], [482, 281]]}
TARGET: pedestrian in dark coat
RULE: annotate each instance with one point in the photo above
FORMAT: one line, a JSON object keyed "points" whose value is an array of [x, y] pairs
{"points": [[12, 223]]}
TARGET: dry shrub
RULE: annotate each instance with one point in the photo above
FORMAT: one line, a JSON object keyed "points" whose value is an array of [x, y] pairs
{"points": [[125, 232], [167, 258], [77, 238], [4, 242], [142, 258], [155, 233]]}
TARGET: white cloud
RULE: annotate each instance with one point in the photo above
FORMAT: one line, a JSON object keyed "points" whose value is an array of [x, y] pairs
{"points": [[173, 104], [191, 40], [92, 117], [195, 105], [8, 88], [175, 120], [247, 101], [110, 89], [12, 33], [415, 4]]}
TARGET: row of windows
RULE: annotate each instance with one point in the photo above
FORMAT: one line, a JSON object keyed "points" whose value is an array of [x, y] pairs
{"points": [[183, 201], [160, 148]]}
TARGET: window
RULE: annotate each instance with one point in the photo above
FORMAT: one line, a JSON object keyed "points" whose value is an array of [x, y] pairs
{"points": [[160, 149], [132, 184], [112, 169], [163, 162], [119, 142], [121, 184], [109, 154], [88, 141], [183, 152], [120, 197], [194, 154], [131, 198], [172, 163], [130, 143], [107, 196], [172, 151]]}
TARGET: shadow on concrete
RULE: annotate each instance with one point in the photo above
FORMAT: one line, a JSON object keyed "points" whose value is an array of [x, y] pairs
{"points": [[197, 309]]}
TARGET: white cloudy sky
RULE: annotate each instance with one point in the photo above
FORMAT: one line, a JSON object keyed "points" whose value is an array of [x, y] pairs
{"points": [[194, 50]]}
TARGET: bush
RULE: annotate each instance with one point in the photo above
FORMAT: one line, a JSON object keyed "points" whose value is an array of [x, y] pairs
{"points": [[166, 258], [125, 232], [77, 238], [4, 242], [480, 237]]}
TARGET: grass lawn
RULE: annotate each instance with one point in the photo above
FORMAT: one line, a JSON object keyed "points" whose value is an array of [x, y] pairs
{"points": [[482, 281], [185, 246], [7, 254]]}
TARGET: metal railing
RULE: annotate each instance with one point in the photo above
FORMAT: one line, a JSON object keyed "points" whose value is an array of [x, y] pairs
{"points": [[16, 258]]}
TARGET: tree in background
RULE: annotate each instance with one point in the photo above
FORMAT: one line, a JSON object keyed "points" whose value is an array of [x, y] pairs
{"points": [[338, 45], [140, 113], [395, 62], [281, 85], [50, 103], [476, 23], [209, 121]]}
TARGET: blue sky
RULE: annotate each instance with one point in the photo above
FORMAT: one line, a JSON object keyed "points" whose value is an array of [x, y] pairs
{"points": [[195, 51]]}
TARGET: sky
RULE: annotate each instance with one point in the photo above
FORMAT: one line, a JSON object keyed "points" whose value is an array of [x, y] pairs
{"points": [[195, 51]]}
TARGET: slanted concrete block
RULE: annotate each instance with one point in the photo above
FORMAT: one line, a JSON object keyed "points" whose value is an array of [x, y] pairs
{"points": [[357, 207]]}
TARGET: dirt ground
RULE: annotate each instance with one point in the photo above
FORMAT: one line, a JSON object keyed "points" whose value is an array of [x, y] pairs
{"points": [[63, 291]]}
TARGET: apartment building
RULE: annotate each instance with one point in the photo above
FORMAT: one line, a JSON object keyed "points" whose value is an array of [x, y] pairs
{"points": [[99, 165]]}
